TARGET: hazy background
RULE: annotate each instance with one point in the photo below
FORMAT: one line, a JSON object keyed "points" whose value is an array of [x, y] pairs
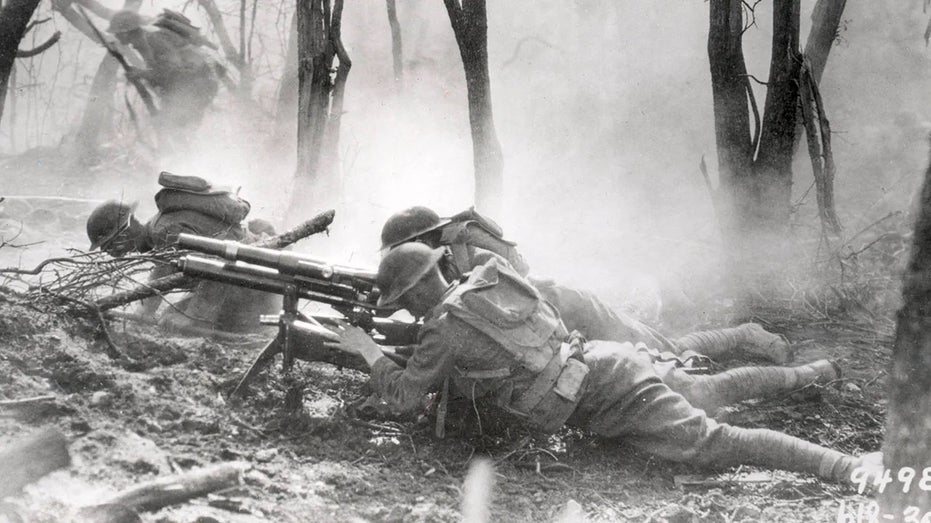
{"points": [[603, 116]]}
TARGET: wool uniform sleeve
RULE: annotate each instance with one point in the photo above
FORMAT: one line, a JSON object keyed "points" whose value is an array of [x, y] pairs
{"points": [[404, 388]]}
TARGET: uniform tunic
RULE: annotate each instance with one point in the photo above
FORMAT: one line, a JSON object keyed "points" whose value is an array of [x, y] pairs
{"points": [[212, 304], [181, 76]]}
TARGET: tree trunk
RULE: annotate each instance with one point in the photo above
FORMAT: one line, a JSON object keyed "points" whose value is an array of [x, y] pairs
{"points": [[396, 53], [470, 26], [14, 17], [772, 185], [729, 90], [907, 445], [313, 101], [237, 58], [320, 102], [825, 20], [286, 105]]}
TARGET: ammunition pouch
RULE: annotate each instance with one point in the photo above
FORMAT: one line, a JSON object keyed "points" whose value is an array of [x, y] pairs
{"points": [[555, 393]]}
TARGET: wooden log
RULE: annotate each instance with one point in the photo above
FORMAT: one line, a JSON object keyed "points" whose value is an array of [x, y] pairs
{"points": [[29, 460], [178, 488], [25, 402]]}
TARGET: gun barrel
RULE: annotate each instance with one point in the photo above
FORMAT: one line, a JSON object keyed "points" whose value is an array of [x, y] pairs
{"points": [[268, 280], [281, 261]]}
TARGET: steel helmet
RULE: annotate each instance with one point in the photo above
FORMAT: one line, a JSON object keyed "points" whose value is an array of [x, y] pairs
{"points": [[402, 268], [408, 224], [124, 21], [107, 221]]}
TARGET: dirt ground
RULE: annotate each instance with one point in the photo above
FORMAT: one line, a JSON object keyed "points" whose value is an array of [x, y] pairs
{"points": [[165, 410]]}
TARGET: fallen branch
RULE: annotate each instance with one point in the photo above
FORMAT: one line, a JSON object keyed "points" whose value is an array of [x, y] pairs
{"points": [[153, 288], [25, 402], [171, 490], [29, 460]]}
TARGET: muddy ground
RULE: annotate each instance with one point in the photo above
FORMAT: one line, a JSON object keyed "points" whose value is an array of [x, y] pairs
{"points": [[165, 409]]}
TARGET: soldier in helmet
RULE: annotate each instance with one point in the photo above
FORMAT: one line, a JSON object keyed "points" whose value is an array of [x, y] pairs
{"points": [[183, 77], [494, 336], [470, 239], [186, 204]]}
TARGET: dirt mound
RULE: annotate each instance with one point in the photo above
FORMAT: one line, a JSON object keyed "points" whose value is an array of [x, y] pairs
{"points": [[166, 411]]}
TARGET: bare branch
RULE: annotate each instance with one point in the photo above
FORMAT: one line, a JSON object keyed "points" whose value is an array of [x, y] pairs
{"points": [[520, 45], [28, 53], [35, 23]]}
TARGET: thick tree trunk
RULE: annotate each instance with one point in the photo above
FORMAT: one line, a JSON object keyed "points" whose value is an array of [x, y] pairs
{"points": [[772, 189], [470, 25], [908, 424], [313, 102], [14, 17], [729, 90]]}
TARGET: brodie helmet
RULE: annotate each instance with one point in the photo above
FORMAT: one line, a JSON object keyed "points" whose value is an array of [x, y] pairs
{"points": [[408, 224], [124, 21], [402, 268], [107, 221]]}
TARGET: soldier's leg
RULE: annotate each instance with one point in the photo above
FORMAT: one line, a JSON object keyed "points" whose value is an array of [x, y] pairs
{"points": [[672, 428], [750, 337], [627, 400], [711, 392], [583, 311]]}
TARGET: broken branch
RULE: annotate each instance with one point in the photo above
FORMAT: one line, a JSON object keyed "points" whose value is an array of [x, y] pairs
{"points": [[171, 490], [28, 53]]}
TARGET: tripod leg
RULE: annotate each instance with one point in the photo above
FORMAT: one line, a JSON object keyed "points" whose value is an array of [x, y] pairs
{"points": [[261, 361]]}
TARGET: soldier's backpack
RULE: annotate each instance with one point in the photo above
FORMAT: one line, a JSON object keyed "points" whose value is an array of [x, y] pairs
{"points": [[181, 25], [470, 229], [192, 193]]}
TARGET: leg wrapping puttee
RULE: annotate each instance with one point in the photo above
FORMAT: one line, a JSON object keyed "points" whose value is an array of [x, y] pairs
{"points": [[751, 337], [711, 392], [729, 446]]}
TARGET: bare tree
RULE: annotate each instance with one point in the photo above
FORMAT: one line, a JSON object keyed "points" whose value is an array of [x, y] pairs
{"points": [[14, 21], [470, 24], [320, 95], [755, 160], [907, 447], [240, 58]]}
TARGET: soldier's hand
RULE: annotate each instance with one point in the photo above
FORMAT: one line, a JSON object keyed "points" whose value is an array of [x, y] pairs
{"points": [[354, 340]]}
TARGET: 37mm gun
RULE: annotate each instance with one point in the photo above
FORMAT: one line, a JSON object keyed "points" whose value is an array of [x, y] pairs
{"points": [[350, 291]]}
